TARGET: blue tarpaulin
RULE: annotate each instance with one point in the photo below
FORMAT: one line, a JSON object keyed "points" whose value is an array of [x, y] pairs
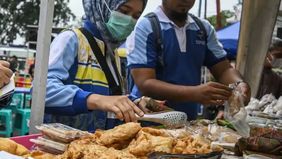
{"points": [[229, 37]]}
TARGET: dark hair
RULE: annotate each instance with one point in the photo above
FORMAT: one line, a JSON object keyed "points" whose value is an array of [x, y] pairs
{"points": [[15, 57], [31, 67]]}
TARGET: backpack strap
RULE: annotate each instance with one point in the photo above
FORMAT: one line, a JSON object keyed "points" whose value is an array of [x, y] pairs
{"points": [[201, 26], [156, 27], [114, 87]]}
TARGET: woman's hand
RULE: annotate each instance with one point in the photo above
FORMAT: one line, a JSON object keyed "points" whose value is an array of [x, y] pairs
{"points": [[122, 106]]}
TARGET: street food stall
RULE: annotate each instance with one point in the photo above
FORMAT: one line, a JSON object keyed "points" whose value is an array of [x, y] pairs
{"points": [[252, 131]]}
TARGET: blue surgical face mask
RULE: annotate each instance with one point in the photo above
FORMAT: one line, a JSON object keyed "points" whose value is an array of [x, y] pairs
{"points": [[120, 25]]}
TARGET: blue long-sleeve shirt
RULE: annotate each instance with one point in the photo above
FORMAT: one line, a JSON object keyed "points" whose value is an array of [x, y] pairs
{"points": [[73, 74]]}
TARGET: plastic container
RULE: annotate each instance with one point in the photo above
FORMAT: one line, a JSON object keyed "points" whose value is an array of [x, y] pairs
{"points": [[49, 146], [212, 155], [61, 133]]}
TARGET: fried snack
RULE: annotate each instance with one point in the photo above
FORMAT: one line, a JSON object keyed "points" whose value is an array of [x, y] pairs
{"points": [[155, 132], [181, 144], [151, 140], [12, 147], [193, 145], [120, 133], [21, 150], [40, 155], [161, 144], [8, 145], [86, 150], [140, 146]]}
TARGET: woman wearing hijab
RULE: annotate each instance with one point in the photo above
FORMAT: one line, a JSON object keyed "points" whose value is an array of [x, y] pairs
{"points": [[78, 88]]}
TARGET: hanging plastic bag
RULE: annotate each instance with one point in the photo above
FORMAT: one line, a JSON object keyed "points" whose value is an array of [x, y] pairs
{"points": [[236, 113]]}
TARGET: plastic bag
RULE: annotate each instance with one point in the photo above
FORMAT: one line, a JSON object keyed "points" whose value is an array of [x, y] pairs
{"points": [[236, 114]]}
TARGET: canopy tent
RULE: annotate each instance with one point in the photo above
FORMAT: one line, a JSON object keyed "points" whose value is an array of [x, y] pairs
{"points": [[229, 37]]}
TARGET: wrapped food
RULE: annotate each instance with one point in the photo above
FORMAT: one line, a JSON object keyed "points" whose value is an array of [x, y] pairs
{"points": [[260, 144], [50, 146], [60, 132], [267, 132]]}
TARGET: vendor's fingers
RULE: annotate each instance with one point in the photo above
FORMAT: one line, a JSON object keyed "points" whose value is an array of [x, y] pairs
{"points": [[1, 84], [117, 112], [7, 71], [5, 63], [221, 86], [136, 109], [130, 111], [214, 102], [222, 92], [125, 111], [219, 97], [5, 79]]}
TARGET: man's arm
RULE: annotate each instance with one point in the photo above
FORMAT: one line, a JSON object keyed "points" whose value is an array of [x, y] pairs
{"points": [[226, 74], [210, 93]]}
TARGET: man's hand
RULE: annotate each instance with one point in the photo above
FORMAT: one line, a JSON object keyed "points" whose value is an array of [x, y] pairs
{"points": [[212, 93], [5, 73], [245, 89], [123, 108]]}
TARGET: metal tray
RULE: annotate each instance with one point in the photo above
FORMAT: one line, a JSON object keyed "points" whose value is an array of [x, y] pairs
{"points": [[212, 155]]}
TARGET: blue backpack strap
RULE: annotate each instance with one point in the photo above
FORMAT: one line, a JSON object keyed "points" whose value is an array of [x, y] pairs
{"points": [[201, 26], [156, 27]]}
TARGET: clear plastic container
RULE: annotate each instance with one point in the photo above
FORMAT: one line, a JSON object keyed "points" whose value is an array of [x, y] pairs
{"points": [[49, 146], [60, 132]]}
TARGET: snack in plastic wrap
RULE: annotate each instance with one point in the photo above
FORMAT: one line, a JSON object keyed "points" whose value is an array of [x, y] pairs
{"points": [[50, 146], [60, 132], [260, 144], [236, 114]]}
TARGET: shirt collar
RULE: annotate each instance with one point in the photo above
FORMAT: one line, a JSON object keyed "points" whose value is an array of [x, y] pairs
{"points": [[163, 18]]}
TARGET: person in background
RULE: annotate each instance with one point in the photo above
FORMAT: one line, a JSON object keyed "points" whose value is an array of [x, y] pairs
{"points": [[78, 92], [31, 71], [14, 63], [271, 82], [5, 76], [174, 73]]}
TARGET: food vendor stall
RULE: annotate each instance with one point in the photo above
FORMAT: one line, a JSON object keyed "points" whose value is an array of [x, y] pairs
{"points": [[195, 139]]}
